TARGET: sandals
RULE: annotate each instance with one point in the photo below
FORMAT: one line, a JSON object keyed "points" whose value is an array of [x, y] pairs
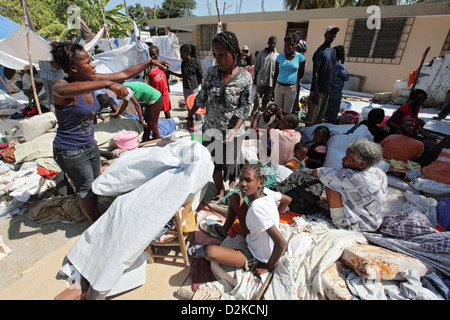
{"points": [[209, 225], [196, 251]]}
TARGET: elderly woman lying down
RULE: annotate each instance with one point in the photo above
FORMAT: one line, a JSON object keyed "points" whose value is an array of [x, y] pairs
{"points": [[356, 193]]}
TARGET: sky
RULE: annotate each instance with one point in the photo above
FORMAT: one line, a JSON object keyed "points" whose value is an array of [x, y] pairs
{"points": [[231, 7]]}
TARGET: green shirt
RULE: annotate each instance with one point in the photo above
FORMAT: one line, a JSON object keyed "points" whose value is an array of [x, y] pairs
{"points": [[144, 92]]}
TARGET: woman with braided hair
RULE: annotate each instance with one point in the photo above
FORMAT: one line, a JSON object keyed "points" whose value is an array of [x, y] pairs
{"points": [[74, 147], [226, 95]]}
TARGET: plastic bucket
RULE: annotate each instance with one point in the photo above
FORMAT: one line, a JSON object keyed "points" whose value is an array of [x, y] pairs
{"points": [[190, 103], [345, 105], [126, 140]]}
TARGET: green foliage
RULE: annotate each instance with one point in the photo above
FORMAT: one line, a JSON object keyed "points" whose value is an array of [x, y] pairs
{"points": [[40, 11], [137, 14], [176, 9], [50, 17]]}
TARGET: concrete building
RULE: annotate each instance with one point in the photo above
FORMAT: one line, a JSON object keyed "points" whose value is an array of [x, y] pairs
{"points": [[376, 57]]}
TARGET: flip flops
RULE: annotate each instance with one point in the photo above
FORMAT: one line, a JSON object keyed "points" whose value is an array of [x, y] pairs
{"points": [[209, 225], [196, 251]]}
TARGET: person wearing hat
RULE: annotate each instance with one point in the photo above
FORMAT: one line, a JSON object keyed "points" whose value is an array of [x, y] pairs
{"points": [[246, 57], [324, 60]]}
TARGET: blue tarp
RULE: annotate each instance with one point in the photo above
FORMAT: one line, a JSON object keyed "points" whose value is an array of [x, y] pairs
{"points": [[2, 86], [7, 27]]}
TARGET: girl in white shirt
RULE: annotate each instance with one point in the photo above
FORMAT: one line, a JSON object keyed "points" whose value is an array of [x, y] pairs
{"points": [[265, 244]]}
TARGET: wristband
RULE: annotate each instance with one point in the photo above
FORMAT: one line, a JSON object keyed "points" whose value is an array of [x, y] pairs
{"points": [[107, 87]]}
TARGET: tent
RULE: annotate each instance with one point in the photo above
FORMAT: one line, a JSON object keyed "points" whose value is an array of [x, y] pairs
{"points": [[14, 49], [7, 27]]}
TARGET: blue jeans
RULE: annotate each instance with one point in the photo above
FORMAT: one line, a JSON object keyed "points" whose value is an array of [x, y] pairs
{"points": [[82, 166]]}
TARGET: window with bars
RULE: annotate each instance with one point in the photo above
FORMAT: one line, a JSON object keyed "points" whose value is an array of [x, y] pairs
{"points": [[446, 46], [383, 45], [205, 34]]}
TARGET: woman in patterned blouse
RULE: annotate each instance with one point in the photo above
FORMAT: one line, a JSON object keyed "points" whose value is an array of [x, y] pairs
{"points": [[226, 96]]}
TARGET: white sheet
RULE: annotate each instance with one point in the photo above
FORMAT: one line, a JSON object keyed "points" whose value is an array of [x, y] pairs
{"points": [[152, 184]]}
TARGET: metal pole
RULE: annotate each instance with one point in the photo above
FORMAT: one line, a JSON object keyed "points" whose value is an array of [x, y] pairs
{"points": [[104, 24]]}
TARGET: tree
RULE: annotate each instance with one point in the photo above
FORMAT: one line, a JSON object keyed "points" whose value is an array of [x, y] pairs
{"points": [[176, 9], [40, 10], [50, 17], [137, 14]]}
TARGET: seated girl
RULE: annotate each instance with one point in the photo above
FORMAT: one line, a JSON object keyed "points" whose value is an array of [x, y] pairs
{"points": [[410, 110], [318, 150], [263, 244], [356, 193]]}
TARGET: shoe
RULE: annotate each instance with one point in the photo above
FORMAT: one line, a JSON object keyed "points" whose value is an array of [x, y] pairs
{"points": [[209, 225]]}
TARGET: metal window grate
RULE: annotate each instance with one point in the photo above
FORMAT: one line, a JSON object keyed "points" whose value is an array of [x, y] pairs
{"points": [[361, 40], [446, 47], [205, 35], [385, 45], [388, 39]]}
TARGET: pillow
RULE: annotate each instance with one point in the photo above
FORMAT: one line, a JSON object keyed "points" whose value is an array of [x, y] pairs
{"points": [[37, 125], [372, 262], [336, 147], [338, 144]]}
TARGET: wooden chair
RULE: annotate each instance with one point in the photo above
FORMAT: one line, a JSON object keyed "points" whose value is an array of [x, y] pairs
{"points": [[182, 233]]}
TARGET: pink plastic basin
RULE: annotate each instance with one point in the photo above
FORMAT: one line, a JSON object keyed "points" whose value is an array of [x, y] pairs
{"points": [[126, 140]]}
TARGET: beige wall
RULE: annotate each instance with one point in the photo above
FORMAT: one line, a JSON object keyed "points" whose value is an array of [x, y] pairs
{"points": [[427, 31], [256, 34]]}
